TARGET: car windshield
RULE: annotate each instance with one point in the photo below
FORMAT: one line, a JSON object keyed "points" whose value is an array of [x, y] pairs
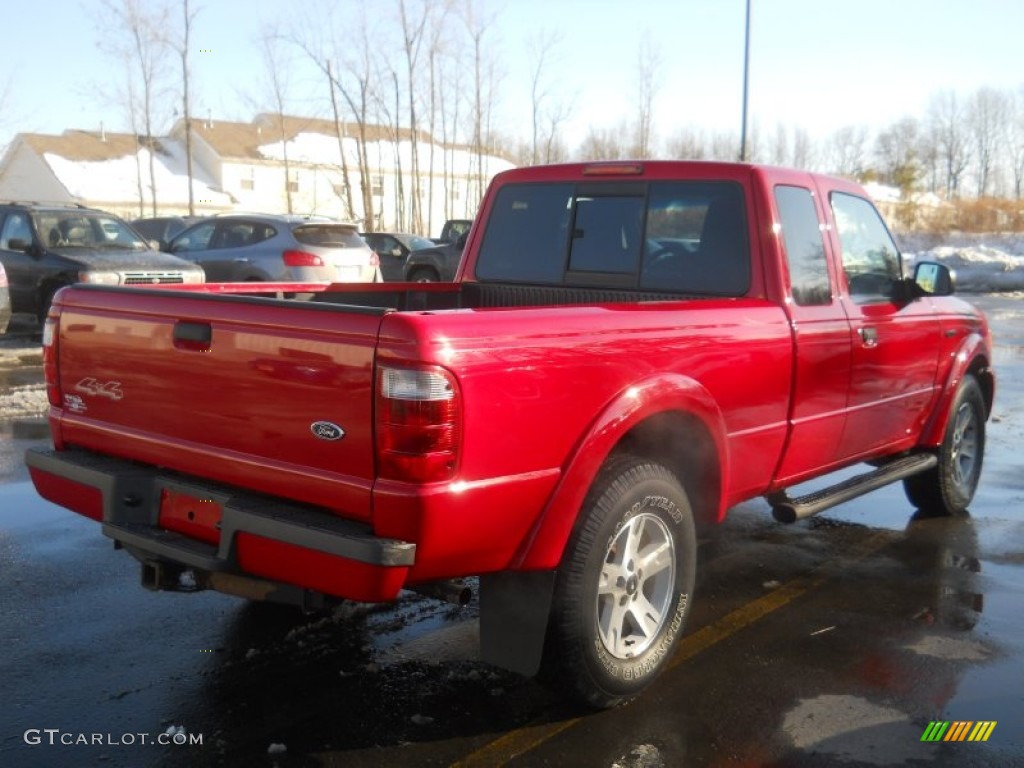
{"points": [[328, 235], [58, 229]]}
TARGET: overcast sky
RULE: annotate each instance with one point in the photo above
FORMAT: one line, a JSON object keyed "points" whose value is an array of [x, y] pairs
{"points": [[815, 64]]}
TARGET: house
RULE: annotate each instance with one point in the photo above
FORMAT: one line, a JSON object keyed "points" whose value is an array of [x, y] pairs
{"points": [[110, 171], [288, 164], [274, 164]]}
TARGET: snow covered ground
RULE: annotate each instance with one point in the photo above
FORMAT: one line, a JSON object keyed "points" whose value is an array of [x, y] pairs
{"points": [[982, 263]]}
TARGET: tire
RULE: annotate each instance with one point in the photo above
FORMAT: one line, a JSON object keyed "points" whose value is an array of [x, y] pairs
{"points": [[948, 488], [46, 294], [599, 646], [423, 275]]}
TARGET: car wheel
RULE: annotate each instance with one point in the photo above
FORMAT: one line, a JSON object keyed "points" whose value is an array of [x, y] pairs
{"points": [[624, 585], [948, 488], [424, 275], [46, 294]]}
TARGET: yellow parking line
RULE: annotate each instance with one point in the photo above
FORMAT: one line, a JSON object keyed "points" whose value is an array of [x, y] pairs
{"points": [[517, 742]]}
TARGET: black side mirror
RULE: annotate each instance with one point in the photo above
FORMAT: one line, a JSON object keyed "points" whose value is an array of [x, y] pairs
{"points": [[934, 279], [19, 244]]}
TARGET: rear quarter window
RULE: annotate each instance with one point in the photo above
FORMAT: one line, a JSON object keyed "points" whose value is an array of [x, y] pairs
{"points": [[328, 236]]}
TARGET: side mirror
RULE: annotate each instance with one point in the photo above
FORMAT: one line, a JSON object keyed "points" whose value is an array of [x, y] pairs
{"points": [[19, 244], [934, 279]]}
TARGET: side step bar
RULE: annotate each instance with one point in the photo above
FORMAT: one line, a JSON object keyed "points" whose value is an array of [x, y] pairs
{"points": [[787, 510]]}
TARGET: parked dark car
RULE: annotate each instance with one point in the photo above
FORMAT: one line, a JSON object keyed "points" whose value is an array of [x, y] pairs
{"points": [[162, 229], [452, 230], [236, 248], [5, 301], [45, 247], [430, 265], [392, 248]]}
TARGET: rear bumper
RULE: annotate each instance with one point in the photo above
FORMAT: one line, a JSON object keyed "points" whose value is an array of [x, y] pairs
{"points": [[256, 535]]}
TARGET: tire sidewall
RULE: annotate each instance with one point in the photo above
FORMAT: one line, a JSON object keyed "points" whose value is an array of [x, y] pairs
{"points": [[664, 499], [955, 500]]}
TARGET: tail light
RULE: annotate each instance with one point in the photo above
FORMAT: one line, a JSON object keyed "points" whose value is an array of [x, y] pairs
{"points": [[419, 430], [51, 337], [374, 259], [302, 259]]}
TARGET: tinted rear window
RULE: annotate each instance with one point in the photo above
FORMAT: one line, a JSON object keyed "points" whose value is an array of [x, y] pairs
{"points": [[686, 237], [328, 236]]}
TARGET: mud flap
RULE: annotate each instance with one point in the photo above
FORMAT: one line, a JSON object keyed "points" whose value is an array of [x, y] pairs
{"points": [[514, 609]]}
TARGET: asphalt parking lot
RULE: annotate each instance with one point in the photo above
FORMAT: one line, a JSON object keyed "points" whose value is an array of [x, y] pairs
{"points": [[839, 640]]}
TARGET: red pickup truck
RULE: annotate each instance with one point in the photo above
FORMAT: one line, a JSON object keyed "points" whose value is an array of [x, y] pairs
{"points": [[628, 350]]}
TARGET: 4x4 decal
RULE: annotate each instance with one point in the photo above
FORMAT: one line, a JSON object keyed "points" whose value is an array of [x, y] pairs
{"points": [[91, 386]]}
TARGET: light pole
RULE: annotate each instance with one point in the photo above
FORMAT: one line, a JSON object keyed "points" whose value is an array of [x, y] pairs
{"points": [[746, 78]]}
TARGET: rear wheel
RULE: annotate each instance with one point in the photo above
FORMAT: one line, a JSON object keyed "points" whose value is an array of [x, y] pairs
{"points": [[624, 585], [948, 488], [424, 275]]}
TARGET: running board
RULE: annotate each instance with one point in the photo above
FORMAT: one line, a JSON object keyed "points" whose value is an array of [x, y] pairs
{"points": [[787, 510]]}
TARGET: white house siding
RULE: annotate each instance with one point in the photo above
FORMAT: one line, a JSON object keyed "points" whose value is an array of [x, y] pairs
{"points": [[26, 176]]}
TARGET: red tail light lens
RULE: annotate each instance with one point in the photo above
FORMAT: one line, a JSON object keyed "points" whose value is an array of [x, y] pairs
{"points": [[419, 427], [302, 259], [51, 335]]}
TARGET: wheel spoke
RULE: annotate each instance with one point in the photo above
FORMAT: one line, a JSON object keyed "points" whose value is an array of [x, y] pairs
{"points": [[646, 616], [656, 559]]}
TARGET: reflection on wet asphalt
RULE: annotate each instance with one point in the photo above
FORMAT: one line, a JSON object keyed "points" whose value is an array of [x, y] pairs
{"points": [[834, 641]]}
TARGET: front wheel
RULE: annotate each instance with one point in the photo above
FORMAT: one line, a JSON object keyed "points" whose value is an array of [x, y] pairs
{"points": [[948, 488], [624, 585]]}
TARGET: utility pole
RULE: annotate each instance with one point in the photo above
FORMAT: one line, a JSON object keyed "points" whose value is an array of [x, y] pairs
{"points": [[185, 106], [746, 79]]}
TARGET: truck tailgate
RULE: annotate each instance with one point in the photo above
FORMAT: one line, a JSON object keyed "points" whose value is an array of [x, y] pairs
{"points": [[275, 396]]}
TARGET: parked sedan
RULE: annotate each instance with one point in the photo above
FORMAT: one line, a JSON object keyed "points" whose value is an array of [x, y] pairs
{"points": [[235, 248], [392, 248]]}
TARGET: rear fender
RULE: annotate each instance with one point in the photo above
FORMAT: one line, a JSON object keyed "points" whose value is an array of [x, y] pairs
{"points": [[970, 358], [667, 396]]}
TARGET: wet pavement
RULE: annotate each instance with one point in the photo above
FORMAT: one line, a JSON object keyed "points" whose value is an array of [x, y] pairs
{"points": [[833, 641]]}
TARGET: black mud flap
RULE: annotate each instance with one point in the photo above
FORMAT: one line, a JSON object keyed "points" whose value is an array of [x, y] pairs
{"points": [[514, 609]]}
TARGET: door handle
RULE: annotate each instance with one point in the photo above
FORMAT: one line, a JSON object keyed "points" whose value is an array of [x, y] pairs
{"points": [[869, 336], [195, 337]]}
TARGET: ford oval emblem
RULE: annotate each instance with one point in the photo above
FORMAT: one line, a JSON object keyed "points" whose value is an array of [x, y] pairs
{"points": [[325, 430]]}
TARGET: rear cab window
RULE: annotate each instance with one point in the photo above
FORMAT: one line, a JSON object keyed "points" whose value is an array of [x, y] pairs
{"points": [[688, 237], [804, 246]]}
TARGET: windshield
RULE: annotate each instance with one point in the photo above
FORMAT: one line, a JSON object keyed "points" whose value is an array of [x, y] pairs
{"points": [[75, 229]]}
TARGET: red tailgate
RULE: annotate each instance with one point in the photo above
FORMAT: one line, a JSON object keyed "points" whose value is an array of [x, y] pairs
{"points": [[271, 396]]}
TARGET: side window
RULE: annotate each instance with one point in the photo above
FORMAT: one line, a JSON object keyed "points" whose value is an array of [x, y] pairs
{"points": [[871, 260], [805, 249], [15, 228], [196, 239]]}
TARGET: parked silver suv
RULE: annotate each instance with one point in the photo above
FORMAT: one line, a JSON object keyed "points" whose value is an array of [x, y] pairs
{"points": [[234, 248]]}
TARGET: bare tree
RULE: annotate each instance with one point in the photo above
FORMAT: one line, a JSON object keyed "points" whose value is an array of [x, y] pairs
{"points": [[847, 151], [413, 28], [648, 83], [1016, 142], [988, 112], [143, 52], [688, 144], [604, 144], [485, 81], [181, 43], [896, 152], [947, 125], [277, 82]]}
